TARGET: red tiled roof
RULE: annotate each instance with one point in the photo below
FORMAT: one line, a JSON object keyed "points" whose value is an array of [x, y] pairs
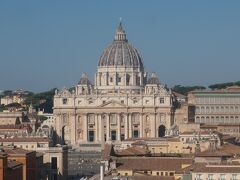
{"points": [[11, 126], [108, 151], [217, 153], [13, 164], [26, 139], [154, 139], [231, 148], [213, 168], [153, 163], [133, 151], [15, 151]]}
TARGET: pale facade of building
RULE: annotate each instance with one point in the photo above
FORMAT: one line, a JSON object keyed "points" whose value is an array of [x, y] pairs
{"points": [[123, 103], [9, 118], [11, 99], [216, 107]]}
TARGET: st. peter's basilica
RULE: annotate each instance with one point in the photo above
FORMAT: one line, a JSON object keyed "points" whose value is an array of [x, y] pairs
{"points": [[122, 103]]}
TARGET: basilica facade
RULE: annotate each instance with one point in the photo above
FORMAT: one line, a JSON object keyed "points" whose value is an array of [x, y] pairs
{"points": [[122, 103]]}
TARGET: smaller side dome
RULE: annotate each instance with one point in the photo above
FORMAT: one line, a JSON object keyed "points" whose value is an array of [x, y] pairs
{"points": [[84, 80], [154, 79]]}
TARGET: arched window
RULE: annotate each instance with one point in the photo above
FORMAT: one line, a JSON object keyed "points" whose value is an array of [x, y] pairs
{"points": [[236, 119], [212, 109], [207, 119], [207, 109], [198, 119], [222, 109], [197, 110], [127, 79], [226, 109], [137, 80], [161, 131], [236, 108], [222, 119]]}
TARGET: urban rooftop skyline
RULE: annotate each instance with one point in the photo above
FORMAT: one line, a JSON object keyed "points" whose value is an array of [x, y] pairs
{"points": [[50, 44]]}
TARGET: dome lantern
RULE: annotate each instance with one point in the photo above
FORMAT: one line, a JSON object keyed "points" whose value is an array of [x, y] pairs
{"points": [[120, 33]]}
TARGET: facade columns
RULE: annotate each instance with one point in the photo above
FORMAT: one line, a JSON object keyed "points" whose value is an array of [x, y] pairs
{"points": [[101, 130], [108, 128], [85, 130], [126, 126], [130, 125], [141, 126], [72, 120], [96, 138], [118, 127], [154, 125]]}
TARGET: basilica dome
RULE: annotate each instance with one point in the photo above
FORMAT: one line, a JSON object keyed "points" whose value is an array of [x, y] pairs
{"points": [[120, 53]]}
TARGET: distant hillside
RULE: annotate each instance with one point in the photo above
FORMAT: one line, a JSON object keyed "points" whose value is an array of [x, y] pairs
{"points": [[43, 100], [224, 85], [185, 89]]}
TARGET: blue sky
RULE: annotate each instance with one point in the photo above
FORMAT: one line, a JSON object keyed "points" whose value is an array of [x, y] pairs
{"points": [[46, 44]]}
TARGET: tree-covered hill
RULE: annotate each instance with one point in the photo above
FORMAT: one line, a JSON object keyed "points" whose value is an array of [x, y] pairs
{"points": [[43, 100], [185, 89], [224, 85]]}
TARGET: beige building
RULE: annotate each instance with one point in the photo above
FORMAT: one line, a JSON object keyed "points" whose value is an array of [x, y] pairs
{"points": [[220, 171], [123, 103], [9, 118], [55, 158], [217, 106]]}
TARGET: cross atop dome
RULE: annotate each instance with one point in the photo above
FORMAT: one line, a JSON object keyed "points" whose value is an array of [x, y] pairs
{"points": [[120, 33]]}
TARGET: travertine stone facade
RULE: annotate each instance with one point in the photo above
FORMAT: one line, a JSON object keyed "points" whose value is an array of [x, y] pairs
{"points": [[122, 104], [216, 107]]}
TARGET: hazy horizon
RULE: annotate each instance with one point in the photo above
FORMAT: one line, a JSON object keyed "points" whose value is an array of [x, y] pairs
{"points": [[46, 44]]}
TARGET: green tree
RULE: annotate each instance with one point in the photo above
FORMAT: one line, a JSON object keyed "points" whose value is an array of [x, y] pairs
{"points": [[224, 85], [185, 89]]}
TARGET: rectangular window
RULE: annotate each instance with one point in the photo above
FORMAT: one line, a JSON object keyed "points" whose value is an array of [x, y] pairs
{"points": [[64, 100], [119, 79], [135, 133], [54, 163], [113, 119], [198, 176], [222, 177], [234, 176], [122, 137], [210, 176], [113, 135], [91, 136], [161, 100]]}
